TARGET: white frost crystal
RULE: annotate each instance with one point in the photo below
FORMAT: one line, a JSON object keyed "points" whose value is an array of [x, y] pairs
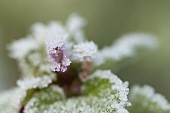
{"points": [[35, 82]]}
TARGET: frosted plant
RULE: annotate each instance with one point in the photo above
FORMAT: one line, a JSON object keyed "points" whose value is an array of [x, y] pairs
{"points": [[60, 71]]}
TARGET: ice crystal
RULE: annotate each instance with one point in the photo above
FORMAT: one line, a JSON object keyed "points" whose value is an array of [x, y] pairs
{"points": [[147, 100]]}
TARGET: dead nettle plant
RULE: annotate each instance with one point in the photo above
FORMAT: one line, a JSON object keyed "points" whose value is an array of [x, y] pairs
{"points": [[63, 72]]}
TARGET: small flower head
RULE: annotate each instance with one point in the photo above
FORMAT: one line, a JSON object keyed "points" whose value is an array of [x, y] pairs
{"points": [[57, 53]]}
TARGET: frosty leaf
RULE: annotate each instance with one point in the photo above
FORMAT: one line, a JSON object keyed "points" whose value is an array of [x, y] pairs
{"points": [[145, 100], [109, 89], [35, 82], [73, 105], [10, 101], [30, 55], [20, 48], [126, 47], [33, 64], [82, 105], [43, 99]]}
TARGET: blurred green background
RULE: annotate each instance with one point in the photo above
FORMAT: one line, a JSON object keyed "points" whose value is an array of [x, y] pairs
{"points": [[107, 20]]}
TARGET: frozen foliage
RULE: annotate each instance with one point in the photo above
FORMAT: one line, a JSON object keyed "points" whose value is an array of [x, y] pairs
{"points": [[111, 96], [38, 82], [144, 99], [21, 47], [57, 65], [107, 86], [116, 84], [40, 101], [78, 105], [126, 46]]}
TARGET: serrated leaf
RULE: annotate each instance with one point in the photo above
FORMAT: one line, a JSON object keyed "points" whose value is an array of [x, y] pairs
{"points": [[41, 100]]}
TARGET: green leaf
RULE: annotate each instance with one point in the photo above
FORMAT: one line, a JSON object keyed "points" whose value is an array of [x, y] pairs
{"points": [[109, 89], [41, 100]]}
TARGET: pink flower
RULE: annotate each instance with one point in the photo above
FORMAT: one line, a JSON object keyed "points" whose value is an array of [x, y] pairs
{"points": [[57, 53]]}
